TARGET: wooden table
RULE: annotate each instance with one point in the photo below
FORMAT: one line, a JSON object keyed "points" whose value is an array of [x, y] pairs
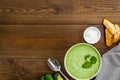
{"points": [[31, 31]]}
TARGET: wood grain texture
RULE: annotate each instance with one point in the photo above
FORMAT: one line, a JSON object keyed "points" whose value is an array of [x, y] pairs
{"points": [[42, 41], [31, 31], [58, 11], [22, 69], [24, 49]]}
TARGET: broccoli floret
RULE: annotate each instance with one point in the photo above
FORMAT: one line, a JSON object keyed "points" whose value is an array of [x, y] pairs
{"points": [[48, 77], [57, 76], [42, 78]]}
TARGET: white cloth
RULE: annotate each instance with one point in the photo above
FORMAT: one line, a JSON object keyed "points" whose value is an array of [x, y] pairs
{"points": [[110, 65]]}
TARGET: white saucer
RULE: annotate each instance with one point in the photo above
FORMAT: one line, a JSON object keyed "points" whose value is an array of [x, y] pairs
{"points": [[92, 35]]}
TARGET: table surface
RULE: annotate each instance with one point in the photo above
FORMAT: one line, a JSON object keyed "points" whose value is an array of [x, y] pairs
{"points": [[31, 31]]}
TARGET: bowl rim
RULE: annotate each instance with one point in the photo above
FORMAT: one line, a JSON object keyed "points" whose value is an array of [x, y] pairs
{"points": [[90, 46]]}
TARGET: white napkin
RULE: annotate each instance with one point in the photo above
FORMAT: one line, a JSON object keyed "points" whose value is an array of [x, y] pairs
{"points": [[110, 65]]}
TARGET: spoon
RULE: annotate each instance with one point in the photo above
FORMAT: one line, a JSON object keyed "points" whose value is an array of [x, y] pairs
{"points": [[55, 66]]}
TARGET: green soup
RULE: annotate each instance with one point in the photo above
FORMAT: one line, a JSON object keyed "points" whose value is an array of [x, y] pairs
{"points": [[82, 61]]}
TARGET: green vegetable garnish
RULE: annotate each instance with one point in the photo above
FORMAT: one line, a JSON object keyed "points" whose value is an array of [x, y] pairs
{"points": [[57, 76], [93, 59], [87, 65], [42, 78], [48, 77], [89, 61]]}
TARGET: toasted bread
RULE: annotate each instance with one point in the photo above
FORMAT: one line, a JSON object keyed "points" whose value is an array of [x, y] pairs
{"points": [[117, 33], [109, 37], [109, 26]]}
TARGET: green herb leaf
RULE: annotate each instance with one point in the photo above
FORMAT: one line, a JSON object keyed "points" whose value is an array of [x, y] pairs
{"points": [[87, 65], [93, 59], [87, 56]]}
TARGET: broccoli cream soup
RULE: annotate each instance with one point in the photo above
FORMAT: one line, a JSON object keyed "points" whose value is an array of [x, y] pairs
{"points": [[82, 61]]}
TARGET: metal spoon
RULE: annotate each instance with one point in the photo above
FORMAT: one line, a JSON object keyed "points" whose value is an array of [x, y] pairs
{"points": [[55, 66]]}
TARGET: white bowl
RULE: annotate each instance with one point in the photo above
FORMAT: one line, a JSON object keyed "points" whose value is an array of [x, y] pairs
{"points": [[92, 35], [83, 72]]}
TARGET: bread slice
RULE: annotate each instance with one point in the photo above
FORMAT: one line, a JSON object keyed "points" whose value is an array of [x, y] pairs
{"points": [[109, 37], [117, 33], [109, 26]]}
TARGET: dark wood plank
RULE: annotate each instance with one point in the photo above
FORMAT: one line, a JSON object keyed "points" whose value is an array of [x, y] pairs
{"points": [[42, 41], [21, 69], [58, 11]]}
